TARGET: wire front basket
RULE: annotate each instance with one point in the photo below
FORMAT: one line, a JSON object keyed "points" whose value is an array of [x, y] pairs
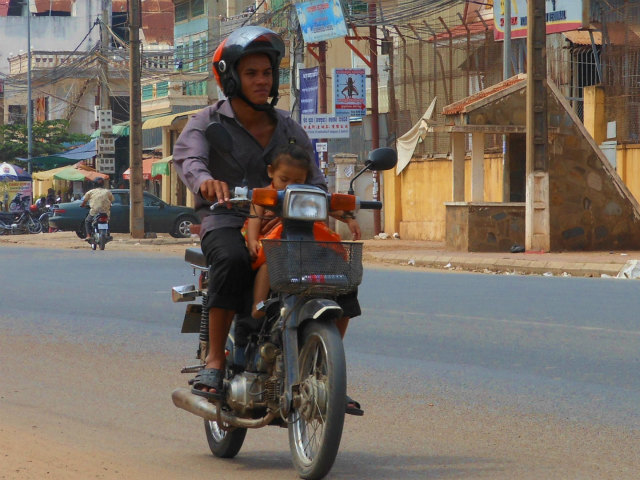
{"points": [[309, 266]]}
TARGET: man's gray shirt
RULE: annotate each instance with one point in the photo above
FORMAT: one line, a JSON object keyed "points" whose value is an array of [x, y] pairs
{"points": [[245, 164]]}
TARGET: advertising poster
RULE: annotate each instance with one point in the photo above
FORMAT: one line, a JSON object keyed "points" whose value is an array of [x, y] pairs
{"points": [[309, 90], [321, 20], [562, 16], [15, 196], [350, 92]]}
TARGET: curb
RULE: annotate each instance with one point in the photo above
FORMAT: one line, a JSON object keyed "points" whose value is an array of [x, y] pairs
{"points": [[515, 266]]}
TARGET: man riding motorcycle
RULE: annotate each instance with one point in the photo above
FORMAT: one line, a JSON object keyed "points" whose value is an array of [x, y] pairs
{"points": [[100, 200], [246, 66]]}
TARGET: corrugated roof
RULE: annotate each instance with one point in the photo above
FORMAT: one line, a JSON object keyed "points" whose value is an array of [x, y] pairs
{"points": [[157, 19], [460, 30], [166, 120], [617, 33], [461, 106], [42, 6]]}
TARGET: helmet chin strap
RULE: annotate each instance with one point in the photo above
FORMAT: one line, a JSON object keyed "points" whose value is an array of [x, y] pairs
{"points": [[265, 107]]}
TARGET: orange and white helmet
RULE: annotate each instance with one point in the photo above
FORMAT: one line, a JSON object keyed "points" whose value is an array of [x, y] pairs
{"points": [[244, 41]]}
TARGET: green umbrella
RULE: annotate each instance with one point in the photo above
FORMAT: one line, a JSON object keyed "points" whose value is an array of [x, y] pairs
{"points": [[70, 174]]}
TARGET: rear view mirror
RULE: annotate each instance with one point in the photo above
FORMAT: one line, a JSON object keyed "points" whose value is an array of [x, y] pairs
{"points": [[384, 158]]}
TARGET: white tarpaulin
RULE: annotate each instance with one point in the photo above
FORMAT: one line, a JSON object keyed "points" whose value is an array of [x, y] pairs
{"points": [[406, 144]]}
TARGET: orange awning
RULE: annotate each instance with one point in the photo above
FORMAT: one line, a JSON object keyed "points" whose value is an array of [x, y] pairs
{"points": [[146, 170]]}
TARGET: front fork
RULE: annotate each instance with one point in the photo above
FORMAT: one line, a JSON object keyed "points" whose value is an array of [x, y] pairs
{"points": [[289, 317]]}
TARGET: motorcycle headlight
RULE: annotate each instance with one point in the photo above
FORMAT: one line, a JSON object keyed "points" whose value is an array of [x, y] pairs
{"points": [[302, 203]]}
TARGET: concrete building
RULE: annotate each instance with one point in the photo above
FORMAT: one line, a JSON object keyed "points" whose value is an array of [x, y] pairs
{"points": [[65, 45]]}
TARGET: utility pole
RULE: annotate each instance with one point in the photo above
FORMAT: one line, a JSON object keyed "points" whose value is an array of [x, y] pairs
{"points": [[537, 223], [375, 130], [104, 50], [506, 73], [29, 108], [105, 162], [136, 217]]}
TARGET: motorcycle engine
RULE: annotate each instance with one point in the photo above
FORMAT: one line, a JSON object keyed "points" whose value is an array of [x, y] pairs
{"points": [[245, 392]]}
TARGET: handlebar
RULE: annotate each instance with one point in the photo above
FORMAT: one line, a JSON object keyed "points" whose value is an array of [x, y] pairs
{"points": [[370, 205]]}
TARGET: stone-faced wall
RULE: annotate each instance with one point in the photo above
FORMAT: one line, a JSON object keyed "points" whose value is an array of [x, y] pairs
{"points": [[485, 227], [590, 207]]}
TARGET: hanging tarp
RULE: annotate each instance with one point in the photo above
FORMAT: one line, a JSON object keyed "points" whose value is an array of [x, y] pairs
{"points": [[406, 144], [61, 173], [161, 166], [69, 174], [69, 157], [146, 170]]}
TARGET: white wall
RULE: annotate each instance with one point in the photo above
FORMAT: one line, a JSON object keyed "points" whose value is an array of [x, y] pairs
{"points": [[49, 33]]}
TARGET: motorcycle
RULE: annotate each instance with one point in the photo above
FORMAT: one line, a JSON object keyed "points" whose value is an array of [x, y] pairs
{"points": [[288, 369], [22, 222], [100, 235]]}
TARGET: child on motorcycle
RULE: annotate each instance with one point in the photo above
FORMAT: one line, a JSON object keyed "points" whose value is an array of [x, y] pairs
{"points": [[291, 165]]}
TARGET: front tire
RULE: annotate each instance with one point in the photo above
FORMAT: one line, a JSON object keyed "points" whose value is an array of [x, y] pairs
{"points": [[44, 221], [315, 425], [224, 443], [34, 226]]}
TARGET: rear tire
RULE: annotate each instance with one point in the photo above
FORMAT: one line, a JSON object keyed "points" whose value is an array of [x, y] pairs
{"points": [[224, 443], [103, 240], [315, 426], [82, 231]]}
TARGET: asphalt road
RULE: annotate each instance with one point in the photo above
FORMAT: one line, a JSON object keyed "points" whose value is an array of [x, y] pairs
{"points": [[461, 376]]}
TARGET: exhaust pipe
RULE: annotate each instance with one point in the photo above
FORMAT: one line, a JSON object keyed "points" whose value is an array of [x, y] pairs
{"points": [[200, 406]]}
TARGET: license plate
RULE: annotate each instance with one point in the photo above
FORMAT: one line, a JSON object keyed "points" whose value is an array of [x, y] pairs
{"points": [[103, 226]]}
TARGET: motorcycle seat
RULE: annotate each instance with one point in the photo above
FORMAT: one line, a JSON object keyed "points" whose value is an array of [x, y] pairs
{"points": [[195, 256]]}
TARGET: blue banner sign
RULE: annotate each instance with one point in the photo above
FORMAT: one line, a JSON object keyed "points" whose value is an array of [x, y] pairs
{"points": [[321, 20], [309, 90]]}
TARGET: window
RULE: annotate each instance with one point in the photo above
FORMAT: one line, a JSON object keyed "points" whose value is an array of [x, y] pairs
{"points": [[162, 89], [120, 199], [147, 92], [182, 12], [179, 57], [197, 8]]}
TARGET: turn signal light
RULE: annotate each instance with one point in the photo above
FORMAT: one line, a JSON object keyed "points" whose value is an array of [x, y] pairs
{"points": [[342, 201], [265, 197]]}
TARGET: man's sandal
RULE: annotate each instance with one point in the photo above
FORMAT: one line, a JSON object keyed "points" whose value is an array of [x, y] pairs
{"points": [[208, 378]]}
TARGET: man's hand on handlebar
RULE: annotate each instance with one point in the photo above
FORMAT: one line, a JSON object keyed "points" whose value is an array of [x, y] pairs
{"points": [[215, 190]]}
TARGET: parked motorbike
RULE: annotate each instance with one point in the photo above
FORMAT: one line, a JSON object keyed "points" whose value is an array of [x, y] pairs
{"points": [[22, 222], [100, 235], [287, 369]]}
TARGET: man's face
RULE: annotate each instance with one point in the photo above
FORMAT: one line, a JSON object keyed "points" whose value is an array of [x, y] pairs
{"points": [[256, 77]]}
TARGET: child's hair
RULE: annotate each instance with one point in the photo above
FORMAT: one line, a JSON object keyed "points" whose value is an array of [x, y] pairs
{"points": [[292, 154]]}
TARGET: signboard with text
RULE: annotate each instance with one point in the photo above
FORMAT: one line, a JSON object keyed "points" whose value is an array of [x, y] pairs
{"points": [[562, 16], [321, 20], [323, 125]]}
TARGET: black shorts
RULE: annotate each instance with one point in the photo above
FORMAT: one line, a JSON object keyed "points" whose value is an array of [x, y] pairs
{"points": [[231, 277]]}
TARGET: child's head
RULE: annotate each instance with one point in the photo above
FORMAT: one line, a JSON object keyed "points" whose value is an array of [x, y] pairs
{"points": [[291, 165]]}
